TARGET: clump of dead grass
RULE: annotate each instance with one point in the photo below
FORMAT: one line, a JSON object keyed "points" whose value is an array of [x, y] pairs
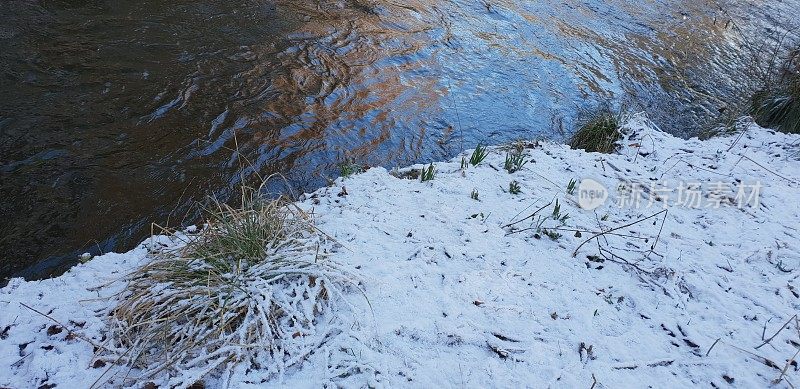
{"points": [[248, 291]]}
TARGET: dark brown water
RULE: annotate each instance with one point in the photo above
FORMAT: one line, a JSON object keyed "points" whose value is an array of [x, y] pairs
{"points": [[116, 114]]}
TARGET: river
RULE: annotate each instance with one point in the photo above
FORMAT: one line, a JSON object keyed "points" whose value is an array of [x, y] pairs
{"points": [[118, 114]]}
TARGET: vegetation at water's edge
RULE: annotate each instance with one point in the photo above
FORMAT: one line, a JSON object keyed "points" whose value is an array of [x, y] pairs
{"points": [[478, 155], [598, 134], [777, 104]]}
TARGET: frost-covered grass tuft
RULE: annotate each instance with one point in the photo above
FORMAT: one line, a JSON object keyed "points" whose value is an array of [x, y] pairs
{"points": [[599, 134], [246, 292]]}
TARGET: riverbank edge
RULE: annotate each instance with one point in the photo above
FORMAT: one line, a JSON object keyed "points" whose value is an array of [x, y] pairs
{"points": [[452, 286]]}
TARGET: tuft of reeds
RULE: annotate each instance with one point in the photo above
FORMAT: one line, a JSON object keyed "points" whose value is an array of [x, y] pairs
{"points": [[478, 155], [777, 104], [599, 134], [246, 290]]}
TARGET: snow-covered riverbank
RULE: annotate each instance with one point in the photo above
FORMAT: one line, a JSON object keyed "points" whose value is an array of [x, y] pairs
{"points": [[470, 293]]}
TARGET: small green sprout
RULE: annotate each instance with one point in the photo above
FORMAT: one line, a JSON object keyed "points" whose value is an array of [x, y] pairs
{"points": [[428, 173], [514, 162], [478, 155], [571, 186]]}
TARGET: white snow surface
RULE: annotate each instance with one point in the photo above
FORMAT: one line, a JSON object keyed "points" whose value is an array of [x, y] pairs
{"points": [[453, 298]]}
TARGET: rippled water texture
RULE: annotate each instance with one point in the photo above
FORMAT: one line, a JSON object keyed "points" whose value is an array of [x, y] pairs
{"points": [[116, 114]]}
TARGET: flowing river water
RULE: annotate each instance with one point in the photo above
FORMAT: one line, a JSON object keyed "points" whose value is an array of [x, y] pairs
{"points": [[115, 114]]}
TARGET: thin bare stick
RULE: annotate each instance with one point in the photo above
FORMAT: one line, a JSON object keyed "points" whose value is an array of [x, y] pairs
{"points": [[660, 229], [761, 359], [786, 367], [525, 209], [738, 138], [779, 331], [458, 117], [529, 216], [575, 253], [70, 332], [619, 260], [764, 330], [797, 327], [595, 232], [600, 226], [765, 168], [712, 346]]}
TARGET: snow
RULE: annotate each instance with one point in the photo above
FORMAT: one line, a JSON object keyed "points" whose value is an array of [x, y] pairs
{"points": [[454, 297]]}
